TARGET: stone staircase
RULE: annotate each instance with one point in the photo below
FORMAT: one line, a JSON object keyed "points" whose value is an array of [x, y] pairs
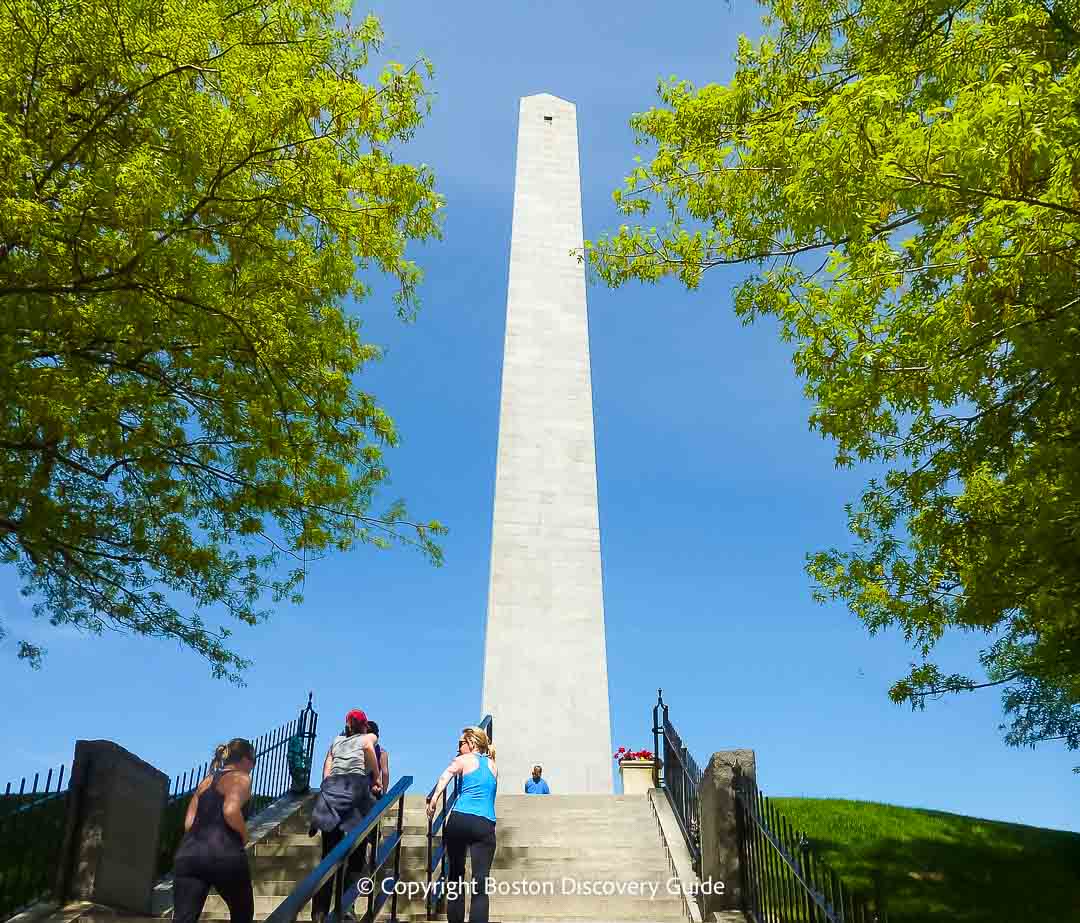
{"points": [[559, 857]]}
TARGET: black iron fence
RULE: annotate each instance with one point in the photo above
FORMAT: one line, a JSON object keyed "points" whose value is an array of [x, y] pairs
{"points": [[680, 777], [782, 880], [33, 814], [437, 859], [283, 759], [32, 819]]}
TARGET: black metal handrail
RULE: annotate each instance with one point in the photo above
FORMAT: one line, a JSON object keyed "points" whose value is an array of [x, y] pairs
{"points": [[277, 772], [782, 879], [681, 777], [31, 834], [336, 866], [437, 858]]}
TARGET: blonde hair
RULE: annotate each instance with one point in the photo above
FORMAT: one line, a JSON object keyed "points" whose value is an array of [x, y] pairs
{"points": [[235, 750], [477, 739]]}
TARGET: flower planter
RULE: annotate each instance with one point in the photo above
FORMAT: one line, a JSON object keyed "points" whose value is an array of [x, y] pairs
{"points": [[637, 776]]}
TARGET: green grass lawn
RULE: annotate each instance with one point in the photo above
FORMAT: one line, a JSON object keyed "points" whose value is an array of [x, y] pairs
{"points": [[939, 867]]}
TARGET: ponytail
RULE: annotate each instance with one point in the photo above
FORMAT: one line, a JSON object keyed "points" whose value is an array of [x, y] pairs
{"points": [[479, 741], [235, 750], [221, 753]]}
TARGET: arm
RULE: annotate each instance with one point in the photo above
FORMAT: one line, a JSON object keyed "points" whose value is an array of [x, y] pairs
{"points": [[328, 762], [193, 805], [371, 763], [454, 769], [385, 770], [236, 791]]}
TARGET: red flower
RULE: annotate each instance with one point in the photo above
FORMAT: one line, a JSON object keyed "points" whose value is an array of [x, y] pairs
{"points": [[623, 754]]}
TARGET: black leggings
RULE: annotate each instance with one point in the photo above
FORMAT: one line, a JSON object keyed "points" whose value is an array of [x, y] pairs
{"points": [[475, 834], [320, 903], [193, 879]]}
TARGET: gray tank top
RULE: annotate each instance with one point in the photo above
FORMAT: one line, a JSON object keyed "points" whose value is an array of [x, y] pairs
{"points": [[347, 754]]}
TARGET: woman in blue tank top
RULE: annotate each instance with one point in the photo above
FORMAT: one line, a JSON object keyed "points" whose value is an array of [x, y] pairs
{"points": [[471, 825]]}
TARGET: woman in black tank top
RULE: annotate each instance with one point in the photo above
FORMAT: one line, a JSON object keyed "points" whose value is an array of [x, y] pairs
{"points": [[211, 855]]}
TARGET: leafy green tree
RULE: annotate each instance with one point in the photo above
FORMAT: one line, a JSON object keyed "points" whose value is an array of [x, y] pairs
{"points": [[187, 190], [1039, 710], [902, 178]]}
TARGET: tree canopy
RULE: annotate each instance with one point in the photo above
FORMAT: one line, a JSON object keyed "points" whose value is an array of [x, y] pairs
{"points": [[902, 178], [188, 189]]}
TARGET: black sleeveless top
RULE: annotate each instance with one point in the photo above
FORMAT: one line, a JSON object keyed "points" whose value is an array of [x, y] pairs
{"points": [[210, 835]]}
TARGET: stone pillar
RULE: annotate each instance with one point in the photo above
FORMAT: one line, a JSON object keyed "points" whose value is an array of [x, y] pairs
{"points": [[545, 656], [719, 828], [115, 807], [637, 776]]}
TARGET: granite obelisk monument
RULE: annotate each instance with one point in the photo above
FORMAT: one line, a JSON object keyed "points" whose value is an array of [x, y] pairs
{"points": [[545, 663]]}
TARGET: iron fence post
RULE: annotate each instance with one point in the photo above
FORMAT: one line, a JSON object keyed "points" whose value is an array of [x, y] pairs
{"points": [[397, 857], [309, 721], [657, 762]]}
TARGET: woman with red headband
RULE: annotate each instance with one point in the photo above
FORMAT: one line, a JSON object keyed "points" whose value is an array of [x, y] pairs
{"points": [[349, 787]]}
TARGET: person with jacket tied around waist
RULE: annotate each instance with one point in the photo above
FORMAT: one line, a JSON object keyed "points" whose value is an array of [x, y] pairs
{"points": [[471, 824], [211, 854], [350, 783]]}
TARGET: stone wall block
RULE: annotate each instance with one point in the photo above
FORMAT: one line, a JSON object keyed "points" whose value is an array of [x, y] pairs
{"points": [[719, 828], [116, 802]]}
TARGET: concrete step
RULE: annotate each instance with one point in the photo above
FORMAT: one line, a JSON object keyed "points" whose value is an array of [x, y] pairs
{"points": [[559, 908], [600, 837], [561, 822], [565, 800], [515, 810], [505, 853], [288, 872], [281, 868], [417, 802], [216, 909], [605, 805], [569, 908], [585, 820], [636, 813], [301, 820], [587, 869], [567, 823], [661, 917], [555, 907]]}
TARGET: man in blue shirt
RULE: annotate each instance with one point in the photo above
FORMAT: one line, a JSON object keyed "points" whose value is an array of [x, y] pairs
{"points": [[536, 785]]}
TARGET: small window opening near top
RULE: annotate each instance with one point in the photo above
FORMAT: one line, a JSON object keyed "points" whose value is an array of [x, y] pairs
{"points": [[547, 118]]}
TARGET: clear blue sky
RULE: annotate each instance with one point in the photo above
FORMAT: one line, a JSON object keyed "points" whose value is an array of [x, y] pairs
{"points": [[711, 491]]}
